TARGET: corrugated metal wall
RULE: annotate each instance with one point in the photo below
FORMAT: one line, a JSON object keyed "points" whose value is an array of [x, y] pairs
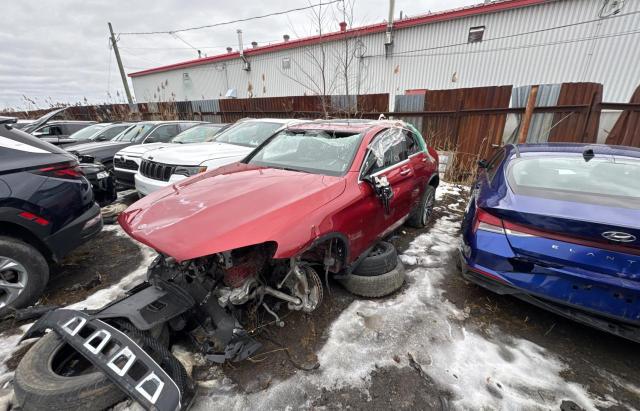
{"points": [[554, 56]]}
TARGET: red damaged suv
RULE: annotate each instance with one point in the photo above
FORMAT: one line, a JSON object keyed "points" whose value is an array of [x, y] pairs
{"points": [[314, 200]]}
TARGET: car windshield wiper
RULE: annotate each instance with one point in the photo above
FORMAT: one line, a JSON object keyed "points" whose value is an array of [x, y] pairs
{"points": [[289, 169]]}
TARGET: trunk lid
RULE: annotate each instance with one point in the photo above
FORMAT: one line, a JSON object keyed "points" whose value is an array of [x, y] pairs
{"points": [[575, 236]]}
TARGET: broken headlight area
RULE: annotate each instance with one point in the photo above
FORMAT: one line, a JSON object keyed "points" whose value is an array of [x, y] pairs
{"points": [[227, 289], [217, 302], [189, 171]]}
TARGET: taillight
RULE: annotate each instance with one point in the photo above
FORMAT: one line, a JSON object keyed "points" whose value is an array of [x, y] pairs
{"points": [[487, 222], [35, 218], [67, 170]]}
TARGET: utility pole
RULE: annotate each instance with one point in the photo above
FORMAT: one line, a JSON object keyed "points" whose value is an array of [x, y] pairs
{"points": [[528, 114], [117, 53]]}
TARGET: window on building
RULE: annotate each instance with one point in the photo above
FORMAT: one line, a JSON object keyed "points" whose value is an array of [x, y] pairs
{"points": [[286, 63], [476, 34]]}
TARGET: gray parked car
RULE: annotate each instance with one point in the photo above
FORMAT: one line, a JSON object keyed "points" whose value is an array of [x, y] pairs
{"points": [[56, 132], [99, 132], [141, 133]]}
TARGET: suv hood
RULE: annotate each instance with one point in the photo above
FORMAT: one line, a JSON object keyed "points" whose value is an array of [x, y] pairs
{"points": [[239, 205], [139, 149], [196, 153], [42, 120]]}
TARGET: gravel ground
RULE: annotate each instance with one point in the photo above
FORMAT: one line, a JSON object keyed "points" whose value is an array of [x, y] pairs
{"points": [[438, 343]]}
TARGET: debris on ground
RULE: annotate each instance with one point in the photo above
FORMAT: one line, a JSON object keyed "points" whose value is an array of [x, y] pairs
{"points": [[29, 313]]}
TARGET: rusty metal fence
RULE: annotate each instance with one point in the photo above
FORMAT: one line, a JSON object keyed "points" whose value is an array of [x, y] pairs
{"points": [[470, 123], [466, 124], [229, 110]]}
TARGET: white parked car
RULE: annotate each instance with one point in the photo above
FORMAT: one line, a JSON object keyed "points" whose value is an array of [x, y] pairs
{"points": [[162, 167], [126, 161]]}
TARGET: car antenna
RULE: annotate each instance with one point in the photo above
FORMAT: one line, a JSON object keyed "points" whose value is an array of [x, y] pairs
{"points": [[588, 154]]}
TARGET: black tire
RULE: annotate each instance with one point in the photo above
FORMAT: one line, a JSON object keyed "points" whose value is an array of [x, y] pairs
{"points": [[36, 269], [375, 286], [421, 215], [382, 259], [38, 387]]}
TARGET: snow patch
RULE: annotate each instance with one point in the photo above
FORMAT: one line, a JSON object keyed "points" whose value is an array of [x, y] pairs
{"points": [[492, 371], [106, 295]]}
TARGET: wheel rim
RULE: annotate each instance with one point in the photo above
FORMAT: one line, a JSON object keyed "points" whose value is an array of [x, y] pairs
{"points": [[428, 208], [13, 280], [377, 250]]}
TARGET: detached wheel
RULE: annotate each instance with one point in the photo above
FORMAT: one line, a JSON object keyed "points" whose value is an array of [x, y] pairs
{"points": [[53, 376], [375, 286], [421, 216], [24, 273], [382, 259]]}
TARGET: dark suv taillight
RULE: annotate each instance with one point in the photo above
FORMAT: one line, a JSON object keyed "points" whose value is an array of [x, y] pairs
{"points": [[70, 171]]}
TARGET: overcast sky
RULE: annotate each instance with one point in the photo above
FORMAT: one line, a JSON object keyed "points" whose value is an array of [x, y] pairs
{"points": [[58, 51]]}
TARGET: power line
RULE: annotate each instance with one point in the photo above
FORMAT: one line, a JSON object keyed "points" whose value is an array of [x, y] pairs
{"points": [[199, 47], [277, 13], [527, 46], [516, 34]]}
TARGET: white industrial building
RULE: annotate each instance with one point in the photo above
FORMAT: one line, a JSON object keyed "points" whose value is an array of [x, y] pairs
{"points": [[516, 42]]}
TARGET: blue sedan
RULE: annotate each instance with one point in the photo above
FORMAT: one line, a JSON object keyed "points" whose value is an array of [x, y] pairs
{"points": [[558, 225]]}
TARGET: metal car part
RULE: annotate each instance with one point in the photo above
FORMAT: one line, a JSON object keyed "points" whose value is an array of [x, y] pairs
{"points": [[13, 279]]}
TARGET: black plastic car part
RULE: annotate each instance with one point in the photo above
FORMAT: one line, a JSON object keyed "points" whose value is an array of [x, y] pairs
{"points": [[126, 364]]}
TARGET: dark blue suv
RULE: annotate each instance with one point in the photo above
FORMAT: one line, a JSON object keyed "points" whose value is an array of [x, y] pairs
{"points": [[47, 209]]}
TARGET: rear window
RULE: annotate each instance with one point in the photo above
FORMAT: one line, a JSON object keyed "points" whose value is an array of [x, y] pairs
{"points": [[602, 177]]}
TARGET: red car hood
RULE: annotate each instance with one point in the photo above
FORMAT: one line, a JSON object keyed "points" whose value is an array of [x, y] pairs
{"points": [[232, 207]]}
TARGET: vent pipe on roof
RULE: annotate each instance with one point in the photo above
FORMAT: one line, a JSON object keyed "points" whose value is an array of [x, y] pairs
{"points": [[254, 44], [286, 38], [246, 66], [229, 49], [343, 26], [388, 35]]}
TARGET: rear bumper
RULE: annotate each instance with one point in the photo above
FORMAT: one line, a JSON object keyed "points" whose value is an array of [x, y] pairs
{"points": [[75, 233], [103, 184], [499, 283]]}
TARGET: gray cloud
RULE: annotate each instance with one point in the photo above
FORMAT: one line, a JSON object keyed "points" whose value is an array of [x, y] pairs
{"points": [[58, 51]]}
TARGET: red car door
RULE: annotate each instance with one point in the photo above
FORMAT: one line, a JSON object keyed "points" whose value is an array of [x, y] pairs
{"points": [[393, 162]]}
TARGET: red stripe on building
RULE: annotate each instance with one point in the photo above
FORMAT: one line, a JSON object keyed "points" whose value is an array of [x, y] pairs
{"points": [[358, 31]]}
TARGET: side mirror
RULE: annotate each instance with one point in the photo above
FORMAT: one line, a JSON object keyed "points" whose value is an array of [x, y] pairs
{"points": [[101, 138], [483, 163], [150, 140], [383, 190]]}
